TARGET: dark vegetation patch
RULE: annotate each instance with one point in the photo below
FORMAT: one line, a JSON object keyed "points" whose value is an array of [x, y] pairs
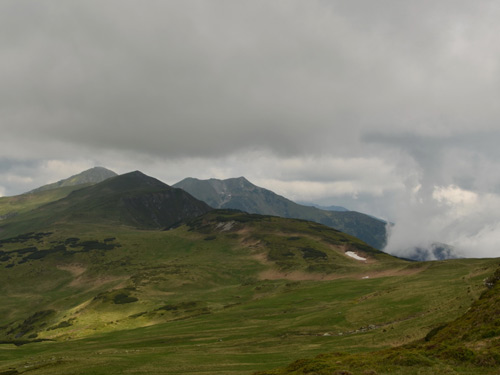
{"points": [[123, 298], [133, 316], [59, 247], [9, 372], [246, 218], [433, 332], [323, 228], [22, 238], [63, 324], [32, 323], [277, 254], [117, 297], [313, 254], [187, 307], [72, 241], [22, 342], [323, 268], [168, 308], [25, 250], [491, 281]]}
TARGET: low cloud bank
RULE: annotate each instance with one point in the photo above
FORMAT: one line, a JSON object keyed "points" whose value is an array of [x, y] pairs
{"points": [[448, 222]]}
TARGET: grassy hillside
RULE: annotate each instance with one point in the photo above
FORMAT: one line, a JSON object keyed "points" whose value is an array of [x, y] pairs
{"points": [[19, 204], [469, 344], [239, 193], [226, 293]]}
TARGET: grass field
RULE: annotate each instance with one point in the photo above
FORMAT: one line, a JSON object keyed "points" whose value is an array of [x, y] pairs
{"points": [[227, 294]]}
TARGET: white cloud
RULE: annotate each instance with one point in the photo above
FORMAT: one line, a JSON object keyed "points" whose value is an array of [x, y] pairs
{"points": [[454, 196], [466, 220]]}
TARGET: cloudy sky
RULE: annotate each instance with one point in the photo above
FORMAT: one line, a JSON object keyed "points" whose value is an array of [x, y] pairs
{"points": [[387, 107]]}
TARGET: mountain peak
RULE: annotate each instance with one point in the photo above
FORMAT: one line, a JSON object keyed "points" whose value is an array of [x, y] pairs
{"points": [[90, 176], [133, 199], [131, 181], [242, 179]]}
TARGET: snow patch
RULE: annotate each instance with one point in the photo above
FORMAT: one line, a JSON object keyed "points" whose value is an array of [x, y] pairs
{"points": [[352, 254]]}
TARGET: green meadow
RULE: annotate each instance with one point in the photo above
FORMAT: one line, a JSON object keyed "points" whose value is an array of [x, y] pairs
{"points": [[228, 293]]}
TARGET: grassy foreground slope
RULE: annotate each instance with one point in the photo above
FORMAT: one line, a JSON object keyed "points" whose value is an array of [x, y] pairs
{"points": [[227, 293], [469, 344]]}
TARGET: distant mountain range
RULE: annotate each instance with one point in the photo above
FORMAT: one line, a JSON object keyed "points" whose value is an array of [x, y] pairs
{"points": [[326, 208], [107, 190], [241, 194]]}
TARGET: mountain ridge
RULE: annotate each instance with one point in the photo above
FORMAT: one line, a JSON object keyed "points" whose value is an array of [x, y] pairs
{"points": [[239, 193], [133, 199]]}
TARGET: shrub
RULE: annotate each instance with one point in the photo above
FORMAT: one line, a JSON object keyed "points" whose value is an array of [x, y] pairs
{"points": [[123, 298]]}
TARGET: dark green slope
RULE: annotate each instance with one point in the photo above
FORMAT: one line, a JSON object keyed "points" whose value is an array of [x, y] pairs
{"points": [[90, 176], [131, 199], [239, 193], [15, 205]]}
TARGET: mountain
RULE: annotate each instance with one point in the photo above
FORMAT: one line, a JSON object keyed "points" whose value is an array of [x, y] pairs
{"points": [[132, 199], [15, 205], [18, 204], [239, 193], [90, 176], [326, 208]]}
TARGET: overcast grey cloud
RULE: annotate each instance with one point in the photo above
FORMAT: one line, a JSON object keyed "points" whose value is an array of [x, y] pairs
{"points": [[387, 107]]}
